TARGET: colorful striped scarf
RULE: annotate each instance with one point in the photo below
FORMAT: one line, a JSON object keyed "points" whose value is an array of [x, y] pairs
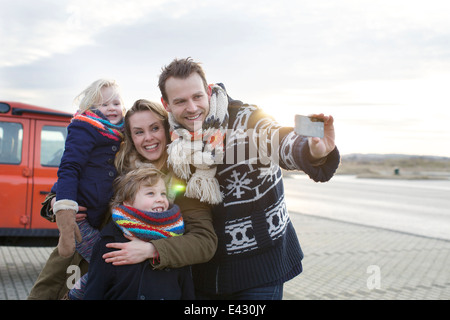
{"points": [[99, 121], [147, 225]]}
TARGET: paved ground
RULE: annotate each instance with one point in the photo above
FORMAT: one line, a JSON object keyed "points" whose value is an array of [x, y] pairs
{"points": [[342, 261]]}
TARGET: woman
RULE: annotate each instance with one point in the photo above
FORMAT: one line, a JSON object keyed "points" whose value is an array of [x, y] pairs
{"points": [[145, 140], [146, 137]]}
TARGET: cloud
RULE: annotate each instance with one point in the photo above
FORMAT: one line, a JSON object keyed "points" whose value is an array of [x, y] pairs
{"points": [[363, 39], [346, 57], [132, 46], [32, 30]]}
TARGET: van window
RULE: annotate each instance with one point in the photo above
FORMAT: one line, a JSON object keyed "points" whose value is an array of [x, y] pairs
{"points": [[52, 145], [11, 136]]}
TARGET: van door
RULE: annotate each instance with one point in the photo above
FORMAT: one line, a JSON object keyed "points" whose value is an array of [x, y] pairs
{"points": [[50, 138], [15, 172]]}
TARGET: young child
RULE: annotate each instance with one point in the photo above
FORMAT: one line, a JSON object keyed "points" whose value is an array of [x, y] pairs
{"points": [[140, 208], [87, 172]]}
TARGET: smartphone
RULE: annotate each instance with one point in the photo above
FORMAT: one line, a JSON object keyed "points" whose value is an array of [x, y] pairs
{"points": [[308, 126]]}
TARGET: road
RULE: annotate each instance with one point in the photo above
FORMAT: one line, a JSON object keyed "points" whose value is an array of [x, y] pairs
{"points": [[420, 207]]}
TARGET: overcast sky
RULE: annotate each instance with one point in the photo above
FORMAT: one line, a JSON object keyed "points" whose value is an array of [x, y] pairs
{"points": [[381, 68]]}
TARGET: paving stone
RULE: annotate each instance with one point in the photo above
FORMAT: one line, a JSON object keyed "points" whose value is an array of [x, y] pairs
{"points": [[340, 259]]}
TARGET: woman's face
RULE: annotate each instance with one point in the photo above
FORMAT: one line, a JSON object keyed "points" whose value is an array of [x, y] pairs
{"points": [[148, 135]]}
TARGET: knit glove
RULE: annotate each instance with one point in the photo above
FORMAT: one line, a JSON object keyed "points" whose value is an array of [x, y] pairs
{"points": [[65, 211]]}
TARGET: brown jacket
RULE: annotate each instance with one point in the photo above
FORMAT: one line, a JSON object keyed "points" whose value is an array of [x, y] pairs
{"points": [[197, 245]]}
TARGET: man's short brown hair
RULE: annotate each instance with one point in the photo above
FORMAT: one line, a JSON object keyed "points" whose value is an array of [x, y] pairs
{"points": [[180, 68]]}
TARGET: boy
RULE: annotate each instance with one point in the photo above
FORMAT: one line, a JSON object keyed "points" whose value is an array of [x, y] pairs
{"points": [[140, 208]]}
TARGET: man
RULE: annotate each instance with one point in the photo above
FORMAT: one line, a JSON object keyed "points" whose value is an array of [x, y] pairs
{"points": [[231, 154]]}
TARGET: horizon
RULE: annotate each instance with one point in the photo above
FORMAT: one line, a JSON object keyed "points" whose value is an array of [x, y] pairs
{"points": [[396, 155]]}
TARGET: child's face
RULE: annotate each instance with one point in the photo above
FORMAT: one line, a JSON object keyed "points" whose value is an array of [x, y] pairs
{"points": [[152, 198], [111, 106]]}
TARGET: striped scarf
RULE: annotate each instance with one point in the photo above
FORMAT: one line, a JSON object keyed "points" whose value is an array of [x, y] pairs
{"points": [[147, 225], [99, 121], [203, 149]]}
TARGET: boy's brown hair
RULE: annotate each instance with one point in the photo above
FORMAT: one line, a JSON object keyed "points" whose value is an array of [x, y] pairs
{"points": [[127, 185]]}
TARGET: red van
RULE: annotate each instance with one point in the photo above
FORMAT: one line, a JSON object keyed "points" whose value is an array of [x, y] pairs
{"points": [[31, 145]]}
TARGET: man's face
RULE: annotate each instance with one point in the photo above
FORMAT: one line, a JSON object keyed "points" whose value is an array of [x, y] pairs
{"points": [[187, 101]]}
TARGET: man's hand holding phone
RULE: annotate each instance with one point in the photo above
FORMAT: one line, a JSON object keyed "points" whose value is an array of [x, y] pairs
{"points": [[320, 132]]}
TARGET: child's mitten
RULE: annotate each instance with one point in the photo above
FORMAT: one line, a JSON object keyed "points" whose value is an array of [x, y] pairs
{"points": [[65, 211]]}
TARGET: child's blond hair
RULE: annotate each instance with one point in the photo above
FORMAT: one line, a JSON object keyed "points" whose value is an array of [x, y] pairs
{"points": [[90, 97]]}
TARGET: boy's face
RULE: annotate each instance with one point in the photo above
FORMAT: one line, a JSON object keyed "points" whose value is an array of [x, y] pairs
{"points": [[152, 198], [187, 101], [111, 106]]}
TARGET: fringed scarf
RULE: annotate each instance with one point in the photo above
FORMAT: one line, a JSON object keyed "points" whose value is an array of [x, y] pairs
{"points": [[147, 225], [203, 149], [98, 120]]}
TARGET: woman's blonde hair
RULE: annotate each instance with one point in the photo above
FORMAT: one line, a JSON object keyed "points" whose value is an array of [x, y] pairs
{"points": [[128, 184], [90, 97], [128, 158]]}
